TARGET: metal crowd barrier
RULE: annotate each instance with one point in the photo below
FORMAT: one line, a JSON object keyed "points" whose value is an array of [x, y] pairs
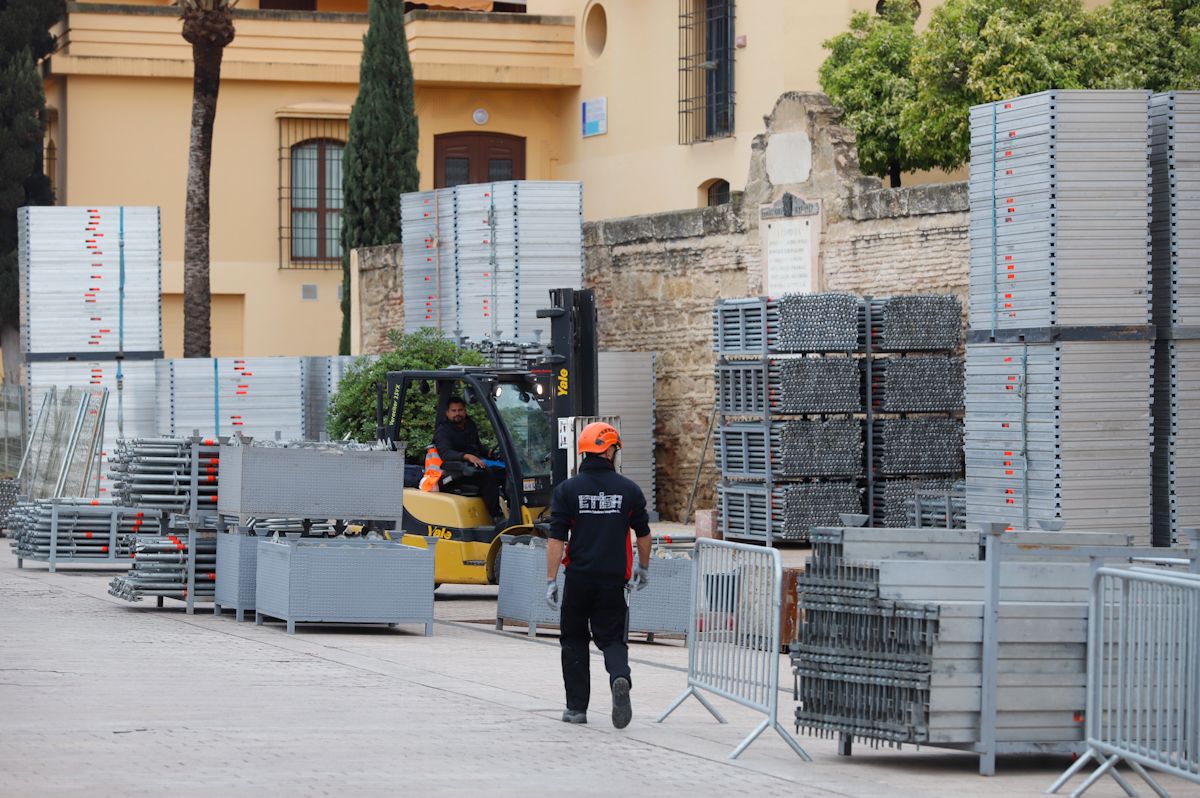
{"points": [[1143, 689], [733, 644]]}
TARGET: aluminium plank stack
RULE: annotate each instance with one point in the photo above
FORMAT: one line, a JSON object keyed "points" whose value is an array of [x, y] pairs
{"points": [[1060, 363], [480, 259], [1059, 209]]}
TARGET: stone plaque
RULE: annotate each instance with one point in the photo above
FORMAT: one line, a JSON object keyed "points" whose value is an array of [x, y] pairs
{"points": [[790, 247]]}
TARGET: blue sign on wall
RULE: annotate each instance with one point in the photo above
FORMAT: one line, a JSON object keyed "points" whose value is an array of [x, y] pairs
{"points": [[595, 117]]}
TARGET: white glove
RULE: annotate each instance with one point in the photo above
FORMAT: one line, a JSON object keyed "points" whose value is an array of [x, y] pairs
{"points": [[641, 576], [552, 593]]}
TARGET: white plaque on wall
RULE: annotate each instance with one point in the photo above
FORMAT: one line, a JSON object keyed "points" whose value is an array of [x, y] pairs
{"points": [[790, 233]]}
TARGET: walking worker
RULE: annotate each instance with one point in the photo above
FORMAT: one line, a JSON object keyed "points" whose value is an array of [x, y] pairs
{"points": [[590, 517]]}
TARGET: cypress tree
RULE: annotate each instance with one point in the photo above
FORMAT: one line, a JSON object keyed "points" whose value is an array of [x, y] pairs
{"points": [[380, 161], [24, 39]]}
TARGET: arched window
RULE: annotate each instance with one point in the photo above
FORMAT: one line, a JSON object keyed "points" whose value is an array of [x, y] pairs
{"points": [[316, 201], [714, 192]]}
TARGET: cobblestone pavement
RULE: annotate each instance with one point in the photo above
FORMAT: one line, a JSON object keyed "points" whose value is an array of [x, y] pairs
{"points": [[100, 697]]}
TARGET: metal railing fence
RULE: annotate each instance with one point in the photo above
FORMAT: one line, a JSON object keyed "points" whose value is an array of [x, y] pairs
{"points": [[1143, 694], [733, 643]]}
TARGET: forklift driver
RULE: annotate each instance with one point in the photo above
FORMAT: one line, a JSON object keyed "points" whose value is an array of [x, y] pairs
{"points": [[457, 442]]}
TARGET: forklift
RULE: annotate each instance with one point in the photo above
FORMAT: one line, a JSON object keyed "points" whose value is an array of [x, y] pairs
{"points": [[526, 410]]}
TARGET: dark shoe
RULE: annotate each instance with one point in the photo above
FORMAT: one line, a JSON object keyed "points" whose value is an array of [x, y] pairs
{"points": [[622, 711], [574, 716]]}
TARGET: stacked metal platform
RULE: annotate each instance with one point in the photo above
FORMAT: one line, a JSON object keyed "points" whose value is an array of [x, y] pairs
{"points": [[1060, 433], [89, 281], [76, 529], [160, 568], [890, 641], [1175, 245], [155, 474], [893, 498], [1058, 193], [937, 507], [1060, 358], [480, 259]]}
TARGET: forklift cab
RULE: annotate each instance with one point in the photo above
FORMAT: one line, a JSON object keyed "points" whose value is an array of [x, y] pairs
{"points": [[511, 409]]}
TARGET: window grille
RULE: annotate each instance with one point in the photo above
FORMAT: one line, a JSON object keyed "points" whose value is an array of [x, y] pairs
{"points": [[718, 193], [706, 91], [310, 192]]}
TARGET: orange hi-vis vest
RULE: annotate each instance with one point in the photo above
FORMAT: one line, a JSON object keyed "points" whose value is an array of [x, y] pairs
{"points": [[433, 470]]}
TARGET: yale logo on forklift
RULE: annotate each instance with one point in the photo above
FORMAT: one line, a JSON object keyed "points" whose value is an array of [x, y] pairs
{"points": [[563, 383], [439, 532]]}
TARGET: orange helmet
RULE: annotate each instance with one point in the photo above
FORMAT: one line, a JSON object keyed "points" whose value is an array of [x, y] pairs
{"points": [[597, 437]]}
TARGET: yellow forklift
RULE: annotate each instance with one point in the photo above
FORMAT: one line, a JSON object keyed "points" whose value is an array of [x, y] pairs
{"points": [[518, 411]]}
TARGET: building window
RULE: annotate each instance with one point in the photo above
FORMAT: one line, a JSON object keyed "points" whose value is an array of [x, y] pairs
{"points": [[715, 192], [50, 151], [310, 193], [706, 93]]}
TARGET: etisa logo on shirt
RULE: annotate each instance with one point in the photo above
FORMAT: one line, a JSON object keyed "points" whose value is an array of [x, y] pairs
{"points": [[600, 503]]}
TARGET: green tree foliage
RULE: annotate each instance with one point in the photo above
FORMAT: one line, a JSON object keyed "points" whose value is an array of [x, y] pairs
{"points": [[979, 51], [352, 409], [1146, 44], [24, 39], [868, 75], [380, 161]]}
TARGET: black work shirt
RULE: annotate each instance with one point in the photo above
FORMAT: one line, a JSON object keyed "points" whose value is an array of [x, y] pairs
{"points": [[594, 511], [452, 442]]}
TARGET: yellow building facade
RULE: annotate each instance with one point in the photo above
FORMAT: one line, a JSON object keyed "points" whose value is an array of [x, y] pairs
{"points": [[669, 92]]}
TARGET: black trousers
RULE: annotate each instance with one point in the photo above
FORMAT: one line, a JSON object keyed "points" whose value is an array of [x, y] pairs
{"points": [[600, 608]]}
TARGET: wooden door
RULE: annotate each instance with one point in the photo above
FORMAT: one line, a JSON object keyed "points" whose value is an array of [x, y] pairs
{"points": [[477, 158]]}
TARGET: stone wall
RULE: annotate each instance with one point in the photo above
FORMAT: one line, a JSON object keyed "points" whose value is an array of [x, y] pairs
{"points": [[381, 295], [656, 279], [900, 241]]}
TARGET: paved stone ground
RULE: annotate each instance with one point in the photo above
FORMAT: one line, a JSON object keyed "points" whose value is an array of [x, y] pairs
{"points": [[100, 697]]}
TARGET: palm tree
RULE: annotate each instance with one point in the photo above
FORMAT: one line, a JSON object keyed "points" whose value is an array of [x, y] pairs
{"points": [[208, 27]]}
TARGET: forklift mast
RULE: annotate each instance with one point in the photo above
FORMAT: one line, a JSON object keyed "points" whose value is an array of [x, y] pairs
{"points": [[570, 372]]}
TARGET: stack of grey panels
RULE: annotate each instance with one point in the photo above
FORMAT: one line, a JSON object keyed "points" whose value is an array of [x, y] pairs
{"points": [[1176, 439], [512, 354], [430, 284], [1175, 215], [1175, 242], [1060, 432], [627, 391], [73, 263], [1059, 210], [549, 248], [322, 375], [938, 507], [890, 644], [486, 255], [789, 385], [261, 397], [480, 259]]}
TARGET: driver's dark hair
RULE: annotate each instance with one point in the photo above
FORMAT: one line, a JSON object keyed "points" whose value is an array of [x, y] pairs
{"points": [[455, 400]]}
